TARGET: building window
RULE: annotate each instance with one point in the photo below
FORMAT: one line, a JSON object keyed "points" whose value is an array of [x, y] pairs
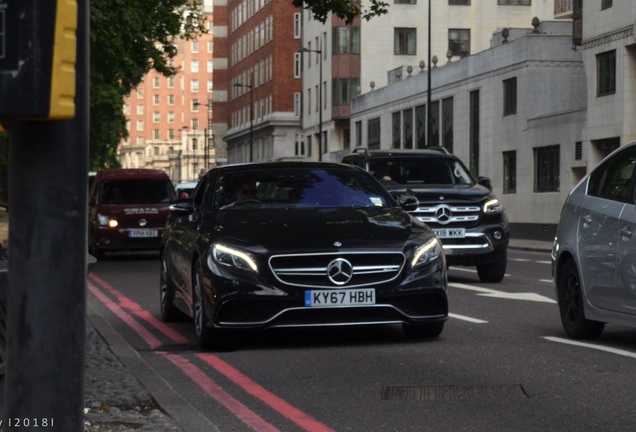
{"points": [[606, 73], [407, 128], [447, 124], [578, 150], [606, 4], [514, 2], [298, 57], [434, 126], [404, 41], [343, 90], [156, 117], [170, 82], [459, 42], [405, 1], [170, 133], [297, 104], [195, 105], [358, 133], [140, 125], [346, 40], [373, 134], [420, 124], [510, 172], [546, 169], [396, 142], [156, 134], [156, 99], [156, 82], [510, 96], [140, 109], [195, 124], [194, 86], [459, 2], [170, 99], [297, 26], [171, 117], [195, 46]]}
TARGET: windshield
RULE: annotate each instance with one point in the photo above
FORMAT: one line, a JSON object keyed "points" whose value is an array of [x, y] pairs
{"points": [[286, 187], [420, 171], [137, 191]]}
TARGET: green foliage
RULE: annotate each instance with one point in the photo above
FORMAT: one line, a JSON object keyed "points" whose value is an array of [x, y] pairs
{"points": [[344, 9], [128, 39]]}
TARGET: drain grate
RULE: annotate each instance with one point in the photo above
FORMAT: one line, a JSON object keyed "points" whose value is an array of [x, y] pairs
{"points": [[454, 392]]}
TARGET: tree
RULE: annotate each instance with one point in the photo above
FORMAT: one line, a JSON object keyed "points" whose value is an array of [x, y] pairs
{"points": [[344, 9], [128, 39]]}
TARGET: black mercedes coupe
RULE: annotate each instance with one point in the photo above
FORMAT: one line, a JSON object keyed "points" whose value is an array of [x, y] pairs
{"points": [[299, 244]]}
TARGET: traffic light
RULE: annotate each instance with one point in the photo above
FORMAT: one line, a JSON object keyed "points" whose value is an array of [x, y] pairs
{"points": [[38, 50]]}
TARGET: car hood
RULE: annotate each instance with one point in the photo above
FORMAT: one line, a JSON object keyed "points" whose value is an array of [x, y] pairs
{"points": [[463, 193], [320, 228]]}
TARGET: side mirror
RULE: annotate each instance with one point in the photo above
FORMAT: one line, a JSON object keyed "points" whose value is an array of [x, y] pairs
{"points": [[408, 202], [485, 182], [182, 206]]}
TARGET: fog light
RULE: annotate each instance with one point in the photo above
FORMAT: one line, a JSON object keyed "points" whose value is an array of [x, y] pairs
{"points": [[498, 235]]}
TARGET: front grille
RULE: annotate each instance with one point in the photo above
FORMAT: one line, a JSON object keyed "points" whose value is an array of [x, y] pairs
{"points": [[442, 215], [367, 268]]}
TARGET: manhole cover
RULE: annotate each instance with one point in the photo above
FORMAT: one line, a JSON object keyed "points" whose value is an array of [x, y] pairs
{"points": [[454, 392]]}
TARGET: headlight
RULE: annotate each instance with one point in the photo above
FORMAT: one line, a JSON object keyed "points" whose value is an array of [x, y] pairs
{"points": [[493, 206], [427, 253], [230, 257], [107, 221]]}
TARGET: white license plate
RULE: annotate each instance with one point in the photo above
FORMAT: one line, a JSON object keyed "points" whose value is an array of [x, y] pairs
{"points": [[450, 232], [352, 297], [143, 233]]}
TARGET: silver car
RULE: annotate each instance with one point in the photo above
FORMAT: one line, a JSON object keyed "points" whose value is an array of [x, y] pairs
{"points": [[594, 252]]}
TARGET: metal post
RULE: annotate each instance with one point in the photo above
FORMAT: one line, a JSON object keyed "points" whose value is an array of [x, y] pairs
{"points": [[46, 297], [251, 86], [320, 109], [429, 118]]}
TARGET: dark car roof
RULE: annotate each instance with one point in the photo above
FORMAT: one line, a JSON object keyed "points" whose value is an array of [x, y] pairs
{"points": [[431, 152], [283, 164], [131, 173]]}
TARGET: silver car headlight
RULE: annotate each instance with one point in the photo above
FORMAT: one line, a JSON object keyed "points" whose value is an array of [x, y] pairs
{"points": [[427, 253], [232, 257], [493, 206], [104, 220]]}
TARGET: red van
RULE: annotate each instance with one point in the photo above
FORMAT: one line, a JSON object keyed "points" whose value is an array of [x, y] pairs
{"points": [[128, 209]]}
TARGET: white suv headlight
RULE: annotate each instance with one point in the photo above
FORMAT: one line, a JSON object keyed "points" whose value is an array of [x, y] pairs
{"points": [[493, 206]]}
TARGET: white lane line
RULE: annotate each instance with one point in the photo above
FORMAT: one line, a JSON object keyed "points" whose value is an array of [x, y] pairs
{"points": [[469, 319], [546, 280], [520, 259], [543, 262], [487, 292], [469, 270], [591, 346]]}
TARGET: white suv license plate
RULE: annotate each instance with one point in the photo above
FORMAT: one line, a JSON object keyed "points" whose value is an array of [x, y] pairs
{"points": [[350, 297], [450, 232], [143, 233]]}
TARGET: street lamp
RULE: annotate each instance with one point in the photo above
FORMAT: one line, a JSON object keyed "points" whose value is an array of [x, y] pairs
{"points": [[207, 132], [251, 87], [319, 52], [429, 118]]}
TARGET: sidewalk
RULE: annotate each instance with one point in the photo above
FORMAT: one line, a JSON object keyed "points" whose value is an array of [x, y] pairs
{"points": [[117, 401]]}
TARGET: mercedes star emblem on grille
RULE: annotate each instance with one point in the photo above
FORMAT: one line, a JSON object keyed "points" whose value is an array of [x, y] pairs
{"points": [[443, 215], [143, 222], [340, 271]]}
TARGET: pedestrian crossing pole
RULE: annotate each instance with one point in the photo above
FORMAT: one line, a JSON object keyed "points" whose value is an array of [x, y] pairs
{"points": [[44, 105]]}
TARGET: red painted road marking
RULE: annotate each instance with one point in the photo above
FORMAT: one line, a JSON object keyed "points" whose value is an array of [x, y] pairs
{"points": [[199, 377], [285, 409]]}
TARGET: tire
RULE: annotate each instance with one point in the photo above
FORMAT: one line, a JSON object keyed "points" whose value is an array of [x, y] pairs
{"points": [[423, 331], [570, 299], [207, 337], [167, 291], [494, 272]]}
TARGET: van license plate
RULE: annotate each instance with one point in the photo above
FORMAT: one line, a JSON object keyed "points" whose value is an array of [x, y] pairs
{"points": [[353, 297], [450, 232], [145, 233]]}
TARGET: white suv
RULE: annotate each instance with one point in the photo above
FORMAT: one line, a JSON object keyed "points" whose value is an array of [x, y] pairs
{"points": [[594, 252]]}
